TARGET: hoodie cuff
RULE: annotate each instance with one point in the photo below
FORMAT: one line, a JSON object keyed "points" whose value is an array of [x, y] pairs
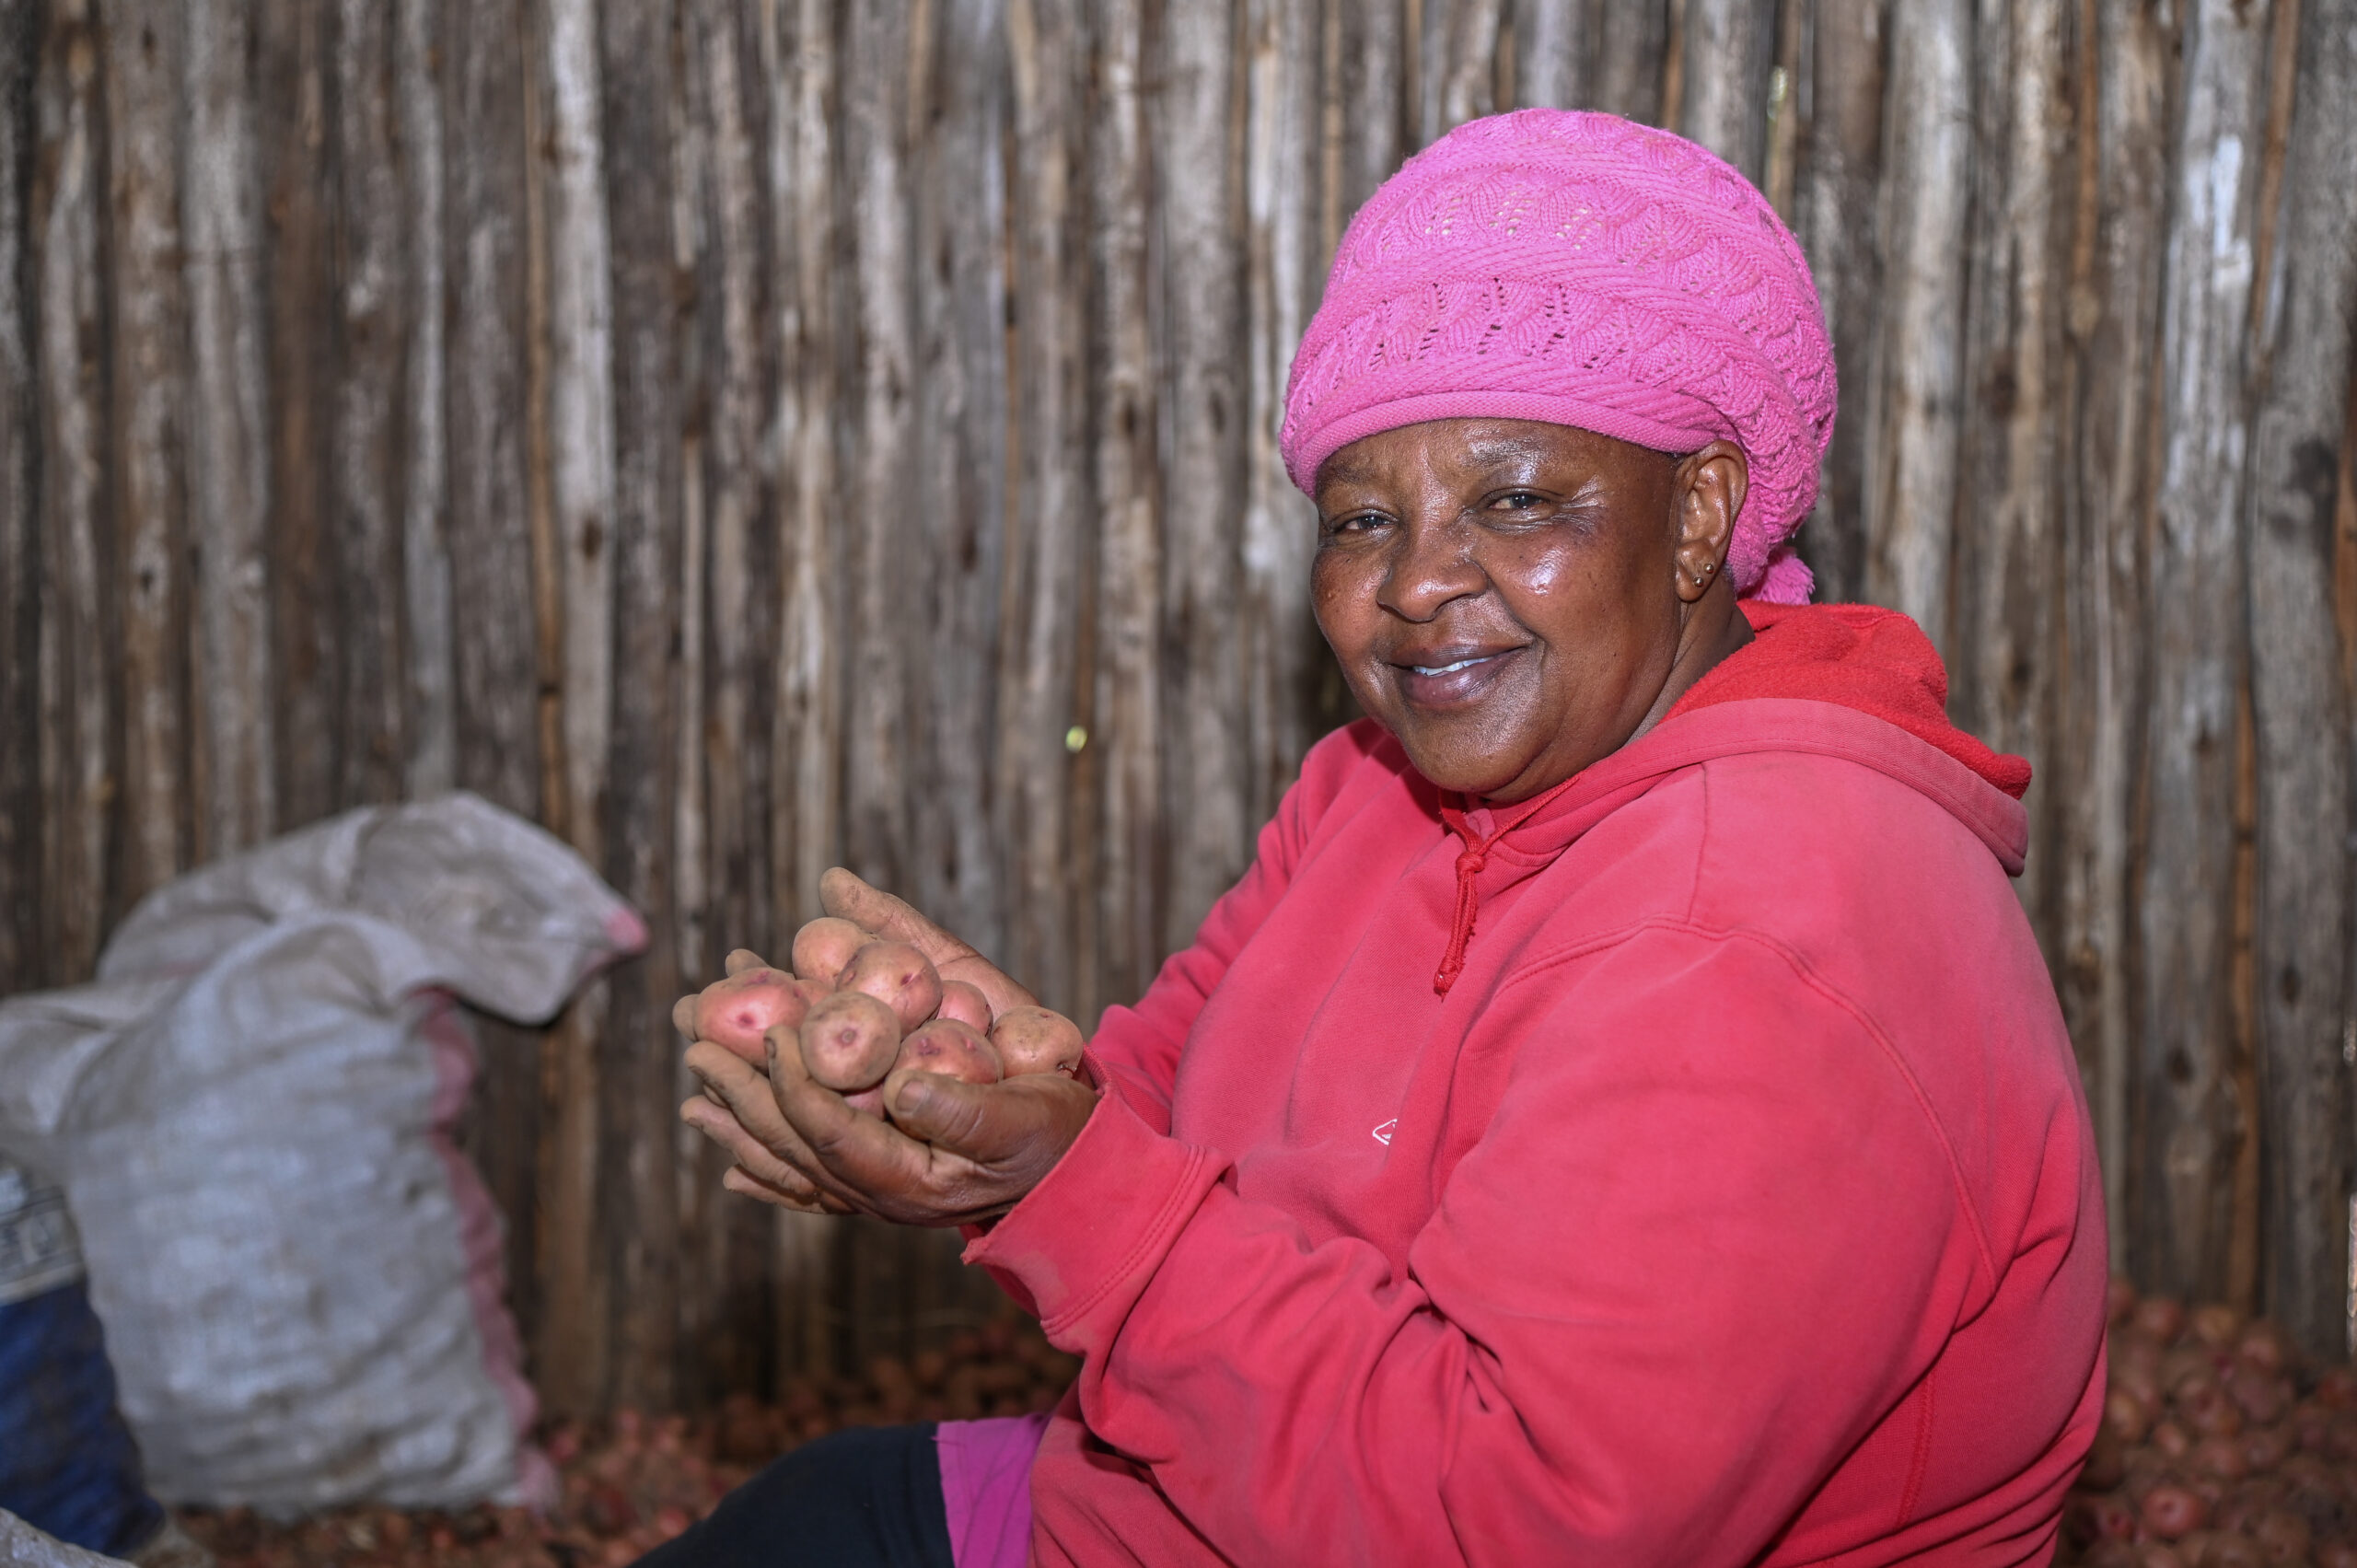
{"points": [[1096, 1226]]}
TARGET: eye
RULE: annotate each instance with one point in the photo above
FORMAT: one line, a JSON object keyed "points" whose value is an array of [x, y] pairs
{"points": [[1518, 501], [1351, 525]]}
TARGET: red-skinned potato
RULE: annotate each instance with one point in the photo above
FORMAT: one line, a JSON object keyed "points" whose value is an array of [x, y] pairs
{"points": [[2264, 1447], [2204, 1406], [822, 947], [2232, 1548], [849, 1040], [1034, 1039], [965, 1003], [738, 1011], [951, 1048], [2170, 1511], [2184, 1366], [2216, 1325], [2125, 1417], [2337, 1388], [897, 975], [2110, 1518], [2264, 1395], [2161, 1317], [947, 1049], [2220, 1457], [2311, 1428], [2263, 1345], [2283, 1536]]}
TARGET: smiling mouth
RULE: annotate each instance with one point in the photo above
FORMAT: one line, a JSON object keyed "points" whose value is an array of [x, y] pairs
{"points": [[1453, 668], [1447, 683]]}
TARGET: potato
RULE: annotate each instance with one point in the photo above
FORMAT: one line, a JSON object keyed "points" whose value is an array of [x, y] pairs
{"points": [[897, 975], [822, 947], [2263, 1396], [2232, 1548], [947, 1049], [2206, 1408], [2283, 1536], [2264, 1346], [2220, 1457], [952, 1049], [849, 1041], [2264, 1447], [2170, 1511], [965, 1003], [2125, 1416], [2161, 1318], [2216, 1325], [739, 1011], [1033, 1040]]}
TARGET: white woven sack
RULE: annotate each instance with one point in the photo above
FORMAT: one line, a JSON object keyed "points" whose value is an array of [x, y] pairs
{"points": [[21, 1546], [248, 1109]]}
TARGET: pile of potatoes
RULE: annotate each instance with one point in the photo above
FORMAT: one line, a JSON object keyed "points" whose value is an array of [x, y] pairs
{"points": [[869, 1013], [633, 1481], [2219, 1448]]}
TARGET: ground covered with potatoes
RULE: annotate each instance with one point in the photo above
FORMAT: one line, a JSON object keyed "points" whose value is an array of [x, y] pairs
{"points": [[2220, 1449], [632, 1483]]}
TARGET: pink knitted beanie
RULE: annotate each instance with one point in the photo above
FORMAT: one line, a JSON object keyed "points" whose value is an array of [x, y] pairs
{"points": [[1582, 270]]}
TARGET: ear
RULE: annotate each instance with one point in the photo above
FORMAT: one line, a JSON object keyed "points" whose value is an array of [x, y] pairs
{"points": [[1709, 490]]}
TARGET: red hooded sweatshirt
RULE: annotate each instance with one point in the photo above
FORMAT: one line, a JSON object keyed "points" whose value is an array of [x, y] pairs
{"points": [[1735, 1201]]}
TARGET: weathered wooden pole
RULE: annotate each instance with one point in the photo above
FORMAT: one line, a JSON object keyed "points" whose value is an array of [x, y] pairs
{"points": [[2300, 703], [2187, 1044], [22, 580], [235, 723]]}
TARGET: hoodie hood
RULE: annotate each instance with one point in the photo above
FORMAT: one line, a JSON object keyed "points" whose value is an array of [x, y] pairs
{"points": [[1847, 681], [1859, 656]]}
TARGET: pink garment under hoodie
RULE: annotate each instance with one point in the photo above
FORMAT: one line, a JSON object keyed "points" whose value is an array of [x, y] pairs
{"points": [[1736, 1202]]}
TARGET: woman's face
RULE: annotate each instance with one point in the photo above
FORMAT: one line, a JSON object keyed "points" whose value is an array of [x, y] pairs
{"points": [[1513, 599]]}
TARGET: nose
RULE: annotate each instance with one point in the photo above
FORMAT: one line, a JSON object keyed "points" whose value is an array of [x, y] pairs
{"points": [[1432, 565]]}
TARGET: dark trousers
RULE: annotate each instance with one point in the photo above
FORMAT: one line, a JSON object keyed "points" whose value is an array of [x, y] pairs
{"points": [[67, 1463], [866, 1497]]}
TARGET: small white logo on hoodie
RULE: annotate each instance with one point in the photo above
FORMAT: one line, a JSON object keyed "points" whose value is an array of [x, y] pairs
{"points": [[1383, 1134]]}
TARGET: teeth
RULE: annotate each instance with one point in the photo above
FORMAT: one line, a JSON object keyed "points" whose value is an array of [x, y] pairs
{"points": [[1448, 669]]}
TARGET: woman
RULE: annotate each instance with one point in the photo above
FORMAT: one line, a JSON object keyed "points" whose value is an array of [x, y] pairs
{"points": [[1622, 1115]]}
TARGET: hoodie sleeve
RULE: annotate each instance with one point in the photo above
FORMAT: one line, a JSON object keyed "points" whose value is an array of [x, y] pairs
{"points": [[1690, 1264], [1136, 1049]]}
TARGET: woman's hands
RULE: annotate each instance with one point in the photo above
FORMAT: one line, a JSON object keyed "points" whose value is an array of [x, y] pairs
{"points": [[952, 1152]]}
